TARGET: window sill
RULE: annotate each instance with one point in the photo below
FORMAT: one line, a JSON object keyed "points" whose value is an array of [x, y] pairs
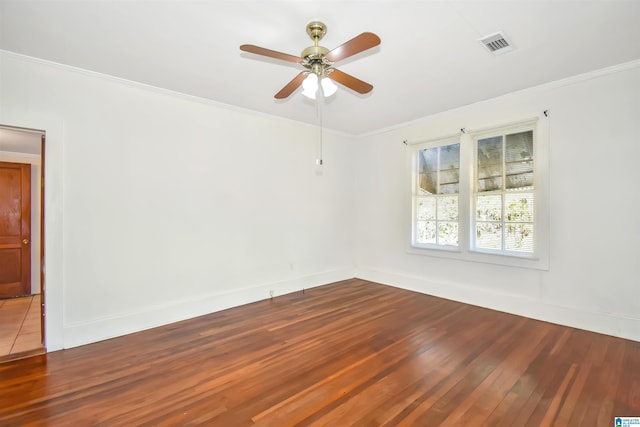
{"points": [[510, 260], [438, 248]]}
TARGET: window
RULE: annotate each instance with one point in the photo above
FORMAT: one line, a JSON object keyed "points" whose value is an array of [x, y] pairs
{"points": [[436, 201], [504, 194], [482, 194]]}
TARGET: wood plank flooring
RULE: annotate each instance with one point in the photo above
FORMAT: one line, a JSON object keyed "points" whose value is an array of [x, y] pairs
{"points": [[349, 353], [20, 327]]}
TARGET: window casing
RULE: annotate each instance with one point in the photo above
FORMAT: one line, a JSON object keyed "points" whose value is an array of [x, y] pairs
{"points": [[492, 205]]}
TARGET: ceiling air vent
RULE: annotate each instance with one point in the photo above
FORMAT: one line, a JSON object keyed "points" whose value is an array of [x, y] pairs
{"points": [[497, 43]]}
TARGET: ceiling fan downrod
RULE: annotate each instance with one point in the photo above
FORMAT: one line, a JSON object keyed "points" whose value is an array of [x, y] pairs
{"points": [[313, 56]]}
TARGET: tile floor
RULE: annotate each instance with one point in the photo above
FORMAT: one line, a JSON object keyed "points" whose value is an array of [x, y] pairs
{"points": [[19, 326]]}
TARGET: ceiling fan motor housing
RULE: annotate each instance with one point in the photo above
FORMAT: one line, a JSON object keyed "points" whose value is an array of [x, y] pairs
{"points": [[314, 52], [313, 57]]}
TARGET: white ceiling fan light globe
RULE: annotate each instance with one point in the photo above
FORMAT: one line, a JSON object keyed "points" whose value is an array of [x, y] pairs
{"points": [[310, 86], [328, 87]]}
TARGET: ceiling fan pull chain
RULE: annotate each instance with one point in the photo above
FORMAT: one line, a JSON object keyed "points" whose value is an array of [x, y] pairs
{"points": [[319, 102]]}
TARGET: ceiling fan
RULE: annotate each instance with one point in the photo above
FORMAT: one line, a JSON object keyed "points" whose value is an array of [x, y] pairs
{"points": [[318, 61]]}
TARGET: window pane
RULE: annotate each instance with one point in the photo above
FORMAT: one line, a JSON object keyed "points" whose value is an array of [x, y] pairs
{"points": [[449, 169], [520, 175], [490, 164], [448, 208], [519, 207], [519, 146], [425, 232], [448, 233], [489, 207], [428, 170], [519, 237], [426, 208], [519, 159], [489, 235], [451, 188]]}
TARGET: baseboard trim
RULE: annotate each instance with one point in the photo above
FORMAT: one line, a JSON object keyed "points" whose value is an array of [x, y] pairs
{"points": [[22, 355], [599, 322], [88, 332]]}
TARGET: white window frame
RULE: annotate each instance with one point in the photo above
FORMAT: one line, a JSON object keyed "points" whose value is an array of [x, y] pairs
{"points": [[441, 142], [466, 206]]}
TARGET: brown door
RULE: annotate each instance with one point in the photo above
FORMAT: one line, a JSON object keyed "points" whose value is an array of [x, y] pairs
{"points": [[15, 229]]}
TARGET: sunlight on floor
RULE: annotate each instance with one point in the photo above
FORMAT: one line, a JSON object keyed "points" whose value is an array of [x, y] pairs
{"points": [[19, 325]]}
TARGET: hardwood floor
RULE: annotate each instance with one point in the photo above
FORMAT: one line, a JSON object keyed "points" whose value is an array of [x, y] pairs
{"points": [[350, 353], [20, 327]]}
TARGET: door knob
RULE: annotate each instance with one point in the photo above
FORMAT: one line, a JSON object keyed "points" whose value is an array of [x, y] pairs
{"points": [[25, 241]]}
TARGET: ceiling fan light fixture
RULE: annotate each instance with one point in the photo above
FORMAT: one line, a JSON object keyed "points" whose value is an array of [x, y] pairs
{"points": [[328, 87], [319, 61], [310, 86]]}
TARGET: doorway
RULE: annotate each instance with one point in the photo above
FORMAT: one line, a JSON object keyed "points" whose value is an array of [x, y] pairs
{"points": [[21, 261]]}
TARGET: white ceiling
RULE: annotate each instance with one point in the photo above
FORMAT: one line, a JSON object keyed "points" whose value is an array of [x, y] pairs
{"points": [[429, 61]]}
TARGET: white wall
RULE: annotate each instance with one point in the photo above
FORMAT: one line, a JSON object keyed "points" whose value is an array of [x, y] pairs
{"points": [[34, 161], [593, 281], [162, 207]]}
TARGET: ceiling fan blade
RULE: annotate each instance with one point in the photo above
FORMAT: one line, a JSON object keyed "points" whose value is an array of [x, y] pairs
{"points": [[356, 45], [290, 87], [350, 81], [268, 52]]}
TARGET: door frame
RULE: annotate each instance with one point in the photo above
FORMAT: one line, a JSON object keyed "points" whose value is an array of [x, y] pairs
{"points": [[41, 217]]}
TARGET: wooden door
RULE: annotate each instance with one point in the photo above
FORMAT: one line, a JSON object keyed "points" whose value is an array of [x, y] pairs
{"points": [[15, 229]]}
